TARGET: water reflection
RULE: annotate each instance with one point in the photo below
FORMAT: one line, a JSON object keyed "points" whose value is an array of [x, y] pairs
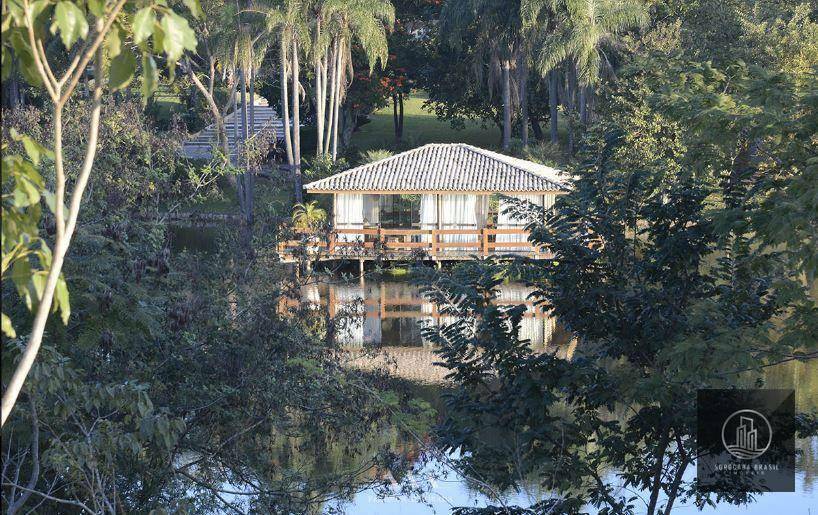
{"points": [[390, 316], [445, 488], [393, 313]]}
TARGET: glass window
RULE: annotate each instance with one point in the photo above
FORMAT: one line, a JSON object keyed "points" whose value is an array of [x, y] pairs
{"points": [[400, 211]]}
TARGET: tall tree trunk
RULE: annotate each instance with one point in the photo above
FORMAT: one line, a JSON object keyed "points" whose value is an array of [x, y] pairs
{"points": [[570, 97], [506, 104], [218, 119], [536, 128], [299, 195], [319, 108], [339, 67], [395, 121], [251, 179], [583, 105], [400, 116], [319, 96], [252, 105], [332, 65], [240, 147], [523, 70], [235, 116], [325, 96], [349, 120], [285, 104], [552, 105]]}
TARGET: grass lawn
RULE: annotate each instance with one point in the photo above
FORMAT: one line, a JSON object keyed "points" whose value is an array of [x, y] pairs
{"points": [[419, 127]]}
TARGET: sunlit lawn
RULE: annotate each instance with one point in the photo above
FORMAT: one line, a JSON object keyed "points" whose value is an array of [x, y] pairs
{"points": [[419, 127]]}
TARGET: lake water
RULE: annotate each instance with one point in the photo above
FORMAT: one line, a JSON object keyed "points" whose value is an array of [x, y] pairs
{"points": [[389, 315]]}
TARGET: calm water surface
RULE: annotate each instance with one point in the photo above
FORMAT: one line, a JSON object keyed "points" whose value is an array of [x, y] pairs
{"points": [[389, 316]]}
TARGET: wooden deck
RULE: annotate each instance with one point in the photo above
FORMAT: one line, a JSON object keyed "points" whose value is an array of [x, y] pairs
{"points": [[418, 244]]}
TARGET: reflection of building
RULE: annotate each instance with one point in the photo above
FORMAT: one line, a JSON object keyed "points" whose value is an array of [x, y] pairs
{"points": [[444, 201], [391, 315]]}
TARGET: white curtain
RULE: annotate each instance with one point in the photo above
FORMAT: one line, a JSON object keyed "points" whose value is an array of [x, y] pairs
{"points": [[459, 212], [509, 221], [428, 215], [482, 210], [349, 214]]}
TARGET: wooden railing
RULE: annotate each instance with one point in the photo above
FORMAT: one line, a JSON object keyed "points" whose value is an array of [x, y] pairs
{"points": [[367, 242], [396, 307]]}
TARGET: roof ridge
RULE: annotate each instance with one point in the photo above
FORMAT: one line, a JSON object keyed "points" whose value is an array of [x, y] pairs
{"points": [[514, 162], [509, 166], [367, 165]]}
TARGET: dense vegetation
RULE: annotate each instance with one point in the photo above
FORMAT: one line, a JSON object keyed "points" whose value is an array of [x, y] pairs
{"points": [[139, 375]]}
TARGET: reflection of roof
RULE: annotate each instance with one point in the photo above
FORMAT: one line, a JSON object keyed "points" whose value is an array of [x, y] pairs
{"points": [[444, 167]]}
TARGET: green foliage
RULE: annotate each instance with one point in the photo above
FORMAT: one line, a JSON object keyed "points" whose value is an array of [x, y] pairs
{"points": [[104, 427], [370, 156], [308, 216], [682, 260], [26, 256]]}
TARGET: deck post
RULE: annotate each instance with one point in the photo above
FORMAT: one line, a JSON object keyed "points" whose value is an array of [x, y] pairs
{"points": [[361, 268], [484, 241]]}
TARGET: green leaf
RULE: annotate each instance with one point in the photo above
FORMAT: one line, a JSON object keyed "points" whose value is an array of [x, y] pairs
{"points": [[21, 274], [150, 76], [26, 193], [194, 7], [97, 7], [178, 36], [143, 23], [41, 14], [38, 280], [51, 201], [25, 59], [61, 298], [33, 149], [113, 41], [122, 70], [71, 22], [8, 329]]}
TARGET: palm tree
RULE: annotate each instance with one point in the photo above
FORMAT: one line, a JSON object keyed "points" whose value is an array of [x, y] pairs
{"points": [[217, 38], [233, 42], [308, 216], [338, 24], [500, 40], [584, 31], [287, 23]]}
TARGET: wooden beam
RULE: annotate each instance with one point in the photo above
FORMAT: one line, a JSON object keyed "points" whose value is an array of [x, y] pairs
{"points": [[435, 192]]}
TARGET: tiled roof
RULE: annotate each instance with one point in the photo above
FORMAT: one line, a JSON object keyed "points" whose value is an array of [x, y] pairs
{"points": [[445, 167]]}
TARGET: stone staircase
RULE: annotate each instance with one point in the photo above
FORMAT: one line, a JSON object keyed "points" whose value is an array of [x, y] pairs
{"points": [[201, 145]]}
